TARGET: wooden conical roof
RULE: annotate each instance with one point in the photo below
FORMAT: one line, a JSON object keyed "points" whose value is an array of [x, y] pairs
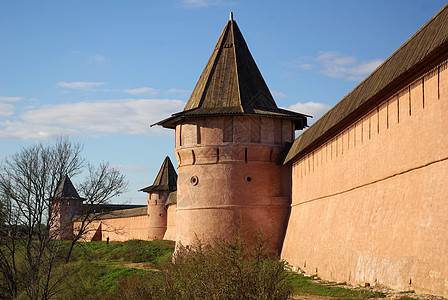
{"points": [[66, 190], [231, 84], [166, 179]]}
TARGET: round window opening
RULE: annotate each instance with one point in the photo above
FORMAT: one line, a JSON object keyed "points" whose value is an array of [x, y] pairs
{"points": [[194, 180], [248, 179]]}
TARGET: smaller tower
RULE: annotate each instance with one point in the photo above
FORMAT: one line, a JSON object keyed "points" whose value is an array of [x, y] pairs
{"points": [[157, 195], [65, 206]]}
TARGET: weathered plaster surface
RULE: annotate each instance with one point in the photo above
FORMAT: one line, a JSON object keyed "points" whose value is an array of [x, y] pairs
{"points": [[370, 205], [170, 233], [157, 214], [119, 229], [228, 180]]}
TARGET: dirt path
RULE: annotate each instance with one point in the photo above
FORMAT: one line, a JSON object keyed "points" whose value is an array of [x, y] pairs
{"points": [[140, 266], [389, 293]]}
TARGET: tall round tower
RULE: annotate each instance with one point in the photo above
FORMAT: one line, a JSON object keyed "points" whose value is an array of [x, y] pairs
{"points": [[157, 194], [230, 138]]}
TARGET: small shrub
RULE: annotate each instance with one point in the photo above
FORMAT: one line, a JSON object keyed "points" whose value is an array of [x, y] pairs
{"points": [[221, 270]]}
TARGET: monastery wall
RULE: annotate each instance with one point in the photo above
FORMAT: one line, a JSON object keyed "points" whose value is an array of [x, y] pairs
{"points": [[119, 229], [370, 205]]}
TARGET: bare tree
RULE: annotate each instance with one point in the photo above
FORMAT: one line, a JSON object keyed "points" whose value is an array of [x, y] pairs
{"points": [[101, 184], [29, 251]]}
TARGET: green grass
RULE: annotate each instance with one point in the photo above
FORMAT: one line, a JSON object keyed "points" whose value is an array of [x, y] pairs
{"points": [[307, 285], [94, 270], [131, 251]]}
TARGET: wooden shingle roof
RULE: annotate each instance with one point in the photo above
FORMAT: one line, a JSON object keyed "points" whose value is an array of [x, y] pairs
{"points": [[166, 179], [66, 190], [425, 49], [231, 84], [124, 213], [172, 198]]}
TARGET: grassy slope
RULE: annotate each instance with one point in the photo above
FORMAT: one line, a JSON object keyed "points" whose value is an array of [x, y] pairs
{"points": [[95, 267], [307, 285], [95, 270]]}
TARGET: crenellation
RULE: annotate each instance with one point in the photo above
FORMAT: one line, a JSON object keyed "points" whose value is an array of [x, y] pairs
{"points": [[416, 96], [443, 81], [255, 129], [431, 87], [382, 198], [188, 135], [377, 121], [277, 131], [228, 129], [393, 109], [403, 98], [287, 131], [241, 132], [206, 155]]}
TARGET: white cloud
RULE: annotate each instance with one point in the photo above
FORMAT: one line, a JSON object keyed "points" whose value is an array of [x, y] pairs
{"points": [[177, 91], [364, 68], [124, 116], [97, 58], [336, 65], [142, 91], [10, 99], [314, 109], [80, 85], [23, 130], [305, 66], [6, 109], [278, 94]]}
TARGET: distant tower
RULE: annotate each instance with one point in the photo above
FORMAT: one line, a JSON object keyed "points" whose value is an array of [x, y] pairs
{"points": [[65, 205], [229, 140], [157, 194]]}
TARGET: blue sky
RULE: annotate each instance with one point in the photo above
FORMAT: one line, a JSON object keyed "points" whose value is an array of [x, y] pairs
{"points": [[101, 72]]}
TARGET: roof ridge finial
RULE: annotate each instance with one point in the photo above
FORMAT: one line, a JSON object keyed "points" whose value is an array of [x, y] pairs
{"points": [[231, 16]]}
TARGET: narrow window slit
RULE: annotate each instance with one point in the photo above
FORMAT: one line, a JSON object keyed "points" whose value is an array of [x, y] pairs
{"points": [[378, 119], [387, 114], [438, 82], [423, 91]]}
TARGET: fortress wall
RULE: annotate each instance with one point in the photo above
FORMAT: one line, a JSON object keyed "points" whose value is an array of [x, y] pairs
{"points": [[370, 205], [170, 233], [119, 229]]}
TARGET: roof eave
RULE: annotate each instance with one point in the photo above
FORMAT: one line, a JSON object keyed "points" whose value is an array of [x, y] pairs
{"points": [[437, 56]]}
